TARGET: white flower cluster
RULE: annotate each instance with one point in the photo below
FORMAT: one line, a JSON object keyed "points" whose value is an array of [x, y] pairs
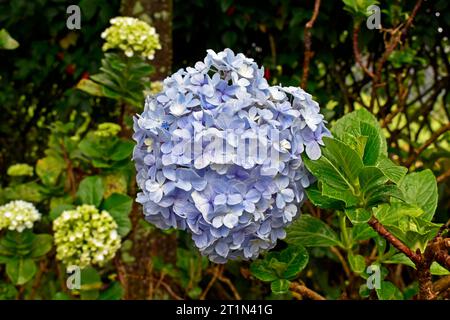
{"points": [[18, 215], [132, 36], [84, 236]]}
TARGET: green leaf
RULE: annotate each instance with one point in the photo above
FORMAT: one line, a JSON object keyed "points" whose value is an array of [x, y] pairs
{"points": [[420, 188], [316, 197], [358, 215], [357, 263], [90, 87], [342, 195], [400, 258], [6, 41], [30, 191], [339, 165], [119, 206], [311, 232], [114, 292], [90, 284], [90, 190], [388, 291], [20, 271], [393, 172], [262, 271], [362, 232], [56, 211], [42, 244], [280, 286], [362, 123], [296, 259], [438, 270], [372, 149], [49, 169], [122, 150]]}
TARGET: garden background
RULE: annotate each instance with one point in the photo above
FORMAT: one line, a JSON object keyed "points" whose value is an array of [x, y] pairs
{"points": [[52, 106]]}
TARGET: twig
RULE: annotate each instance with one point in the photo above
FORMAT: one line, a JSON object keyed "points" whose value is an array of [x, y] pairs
{"points": [[422, 148], [441, 285], [170, 291], [443, 176], [338, 254], [307, 39], [217, 270], [382, 231], [230, 285], [306, 292], [357, 53]]}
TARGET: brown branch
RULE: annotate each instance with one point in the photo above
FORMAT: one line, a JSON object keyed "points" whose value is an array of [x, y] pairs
{"points": [[217, 270], [357, 53], [441, 285], [231, 286], [170, 291], [422, 148], [305, 292], [307, 39], [382, 231]]}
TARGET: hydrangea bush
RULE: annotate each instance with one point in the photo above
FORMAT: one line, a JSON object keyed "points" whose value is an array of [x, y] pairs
{"points": [[18, 215], [132, 36], [85, 236], [219, 154]]}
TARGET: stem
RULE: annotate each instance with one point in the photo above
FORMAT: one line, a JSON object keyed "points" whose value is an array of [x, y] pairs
{"points": [[307, 39], [382, 231], [306, 292], [343, 227]]}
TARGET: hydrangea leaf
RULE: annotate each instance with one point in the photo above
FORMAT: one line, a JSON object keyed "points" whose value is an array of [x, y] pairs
{"points": [[42, 244], [261, 270], [358, 215], [119, 206], [90, 190], [316, 197], [311, 232], [392, 171], [20, 270], [296, 259], [113, 292], [362, 232], [339, 165], [388, 291], [357, 263], [280, 286], [420, 189]]}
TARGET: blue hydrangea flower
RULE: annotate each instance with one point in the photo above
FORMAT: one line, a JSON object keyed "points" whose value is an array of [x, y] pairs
{"points": [[218, 154]]}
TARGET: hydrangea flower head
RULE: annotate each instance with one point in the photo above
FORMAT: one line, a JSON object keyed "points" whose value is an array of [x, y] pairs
{"points": [[132, 36], [218, 154], [85, 236], [20, 169], [18, 215]]}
